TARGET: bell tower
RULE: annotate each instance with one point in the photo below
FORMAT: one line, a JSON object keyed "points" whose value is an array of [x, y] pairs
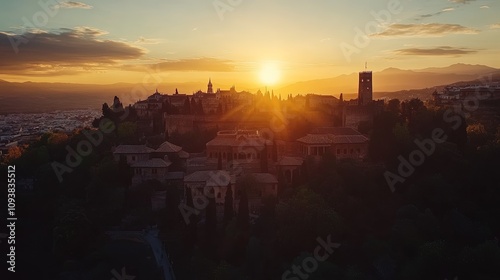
{"points": [[210, 89], [365, 89]]}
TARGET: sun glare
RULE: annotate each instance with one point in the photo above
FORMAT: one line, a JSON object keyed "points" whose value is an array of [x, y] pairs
{"points": [[269, 74]]}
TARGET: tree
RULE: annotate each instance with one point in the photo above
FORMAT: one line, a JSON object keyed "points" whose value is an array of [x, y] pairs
{"points": [[187, 106], [194, 106], [200, 108], [228, 205], [394, 106], [243, 211], [191, 227], [211, 218]]}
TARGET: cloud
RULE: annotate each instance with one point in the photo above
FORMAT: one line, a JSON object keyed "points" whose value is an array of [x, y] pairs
{"points": [[435, 14], [462, 1], [495, 26], [73, 5], [437, 51], [146, 41], [189, 64], [484, 7], [424, 30], [69, 51]]}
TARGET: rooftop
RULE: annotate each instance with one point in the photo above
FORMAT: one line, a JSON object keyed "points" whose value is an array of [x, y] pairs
{"points": [[133, 149], [213, 178], [290, 161], [332, 139], [265, 178], [168, 147], [152, 163]]}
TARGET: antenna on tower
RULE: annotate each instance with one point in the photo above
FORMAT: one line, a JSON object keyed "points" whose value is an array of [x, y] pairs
{"points": [[366, 65]]}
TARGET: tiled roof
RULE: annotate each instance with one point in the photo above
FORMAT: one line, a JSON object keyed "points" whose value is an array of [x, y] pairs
{"points": [[239, 140], [152, 163], [319, 139], [290, 161], [335, 131], [168, 147], [133, 149], [212, 178], [264, 178], [183, 154]]}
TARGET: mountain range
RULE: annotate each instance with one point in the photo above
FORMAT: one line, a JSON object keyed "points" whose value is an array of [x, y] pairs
{"points": [[388, 83]]}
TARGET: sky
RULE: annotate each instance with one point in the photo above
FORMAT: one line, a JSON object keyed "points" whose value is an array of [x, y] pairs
{"points": [[247, 43]]}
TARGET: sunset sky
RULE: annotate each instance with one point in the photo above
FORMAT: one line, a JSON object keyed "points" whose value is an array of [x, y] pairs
{"points": [[249, 43]]}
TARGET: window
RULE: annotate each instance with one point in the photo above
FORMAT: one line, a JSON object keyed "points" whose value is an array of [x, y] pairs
{"points": [[210, 156], [224, 155], [338, 151], [345, 151], [218, 195], [154, 171], [359, 151], [352, 151], [133, 158]]}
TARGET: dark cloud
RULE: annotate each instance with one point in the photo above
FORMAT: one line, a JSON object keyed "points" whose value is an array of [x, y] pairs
{"points": [[68, 51], [190, 64], [438, 51], [424, 30]]}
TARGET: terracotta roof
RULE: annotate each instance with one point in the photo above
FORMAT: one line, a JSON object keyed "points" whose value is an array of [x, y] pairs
{"points": [[264, 178], [152, 163], [212, 178], [133, 149], [168, 147], [239, 140], [319, 139], [183, 154], [336, 131], [290, 161]]}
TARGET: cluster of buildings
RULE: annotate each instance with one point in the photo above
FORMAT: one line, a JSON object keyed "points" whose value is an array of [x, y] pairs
{"points": [[25, 128], [242, 148], [451, 95]]}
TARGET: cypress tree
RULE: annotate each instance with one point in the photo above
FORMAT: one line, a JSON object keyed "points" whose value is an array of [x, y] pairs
{"points": [[228, 205]]}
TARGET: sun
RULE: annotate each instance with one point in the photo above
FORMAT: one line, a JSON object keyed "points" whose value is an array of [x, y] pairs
{"points": [[269, 73]]}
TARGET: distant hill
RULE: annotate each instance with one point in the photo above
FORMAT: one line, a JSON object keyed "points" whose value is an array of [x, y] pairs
{"points": [[392, 79], [44, 97], [389, 83]]}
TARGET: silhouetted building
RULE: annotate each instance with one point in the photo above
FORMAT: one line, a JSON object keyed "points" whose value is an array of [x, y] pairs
{"points": [[365, 89], [343, 142]]}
